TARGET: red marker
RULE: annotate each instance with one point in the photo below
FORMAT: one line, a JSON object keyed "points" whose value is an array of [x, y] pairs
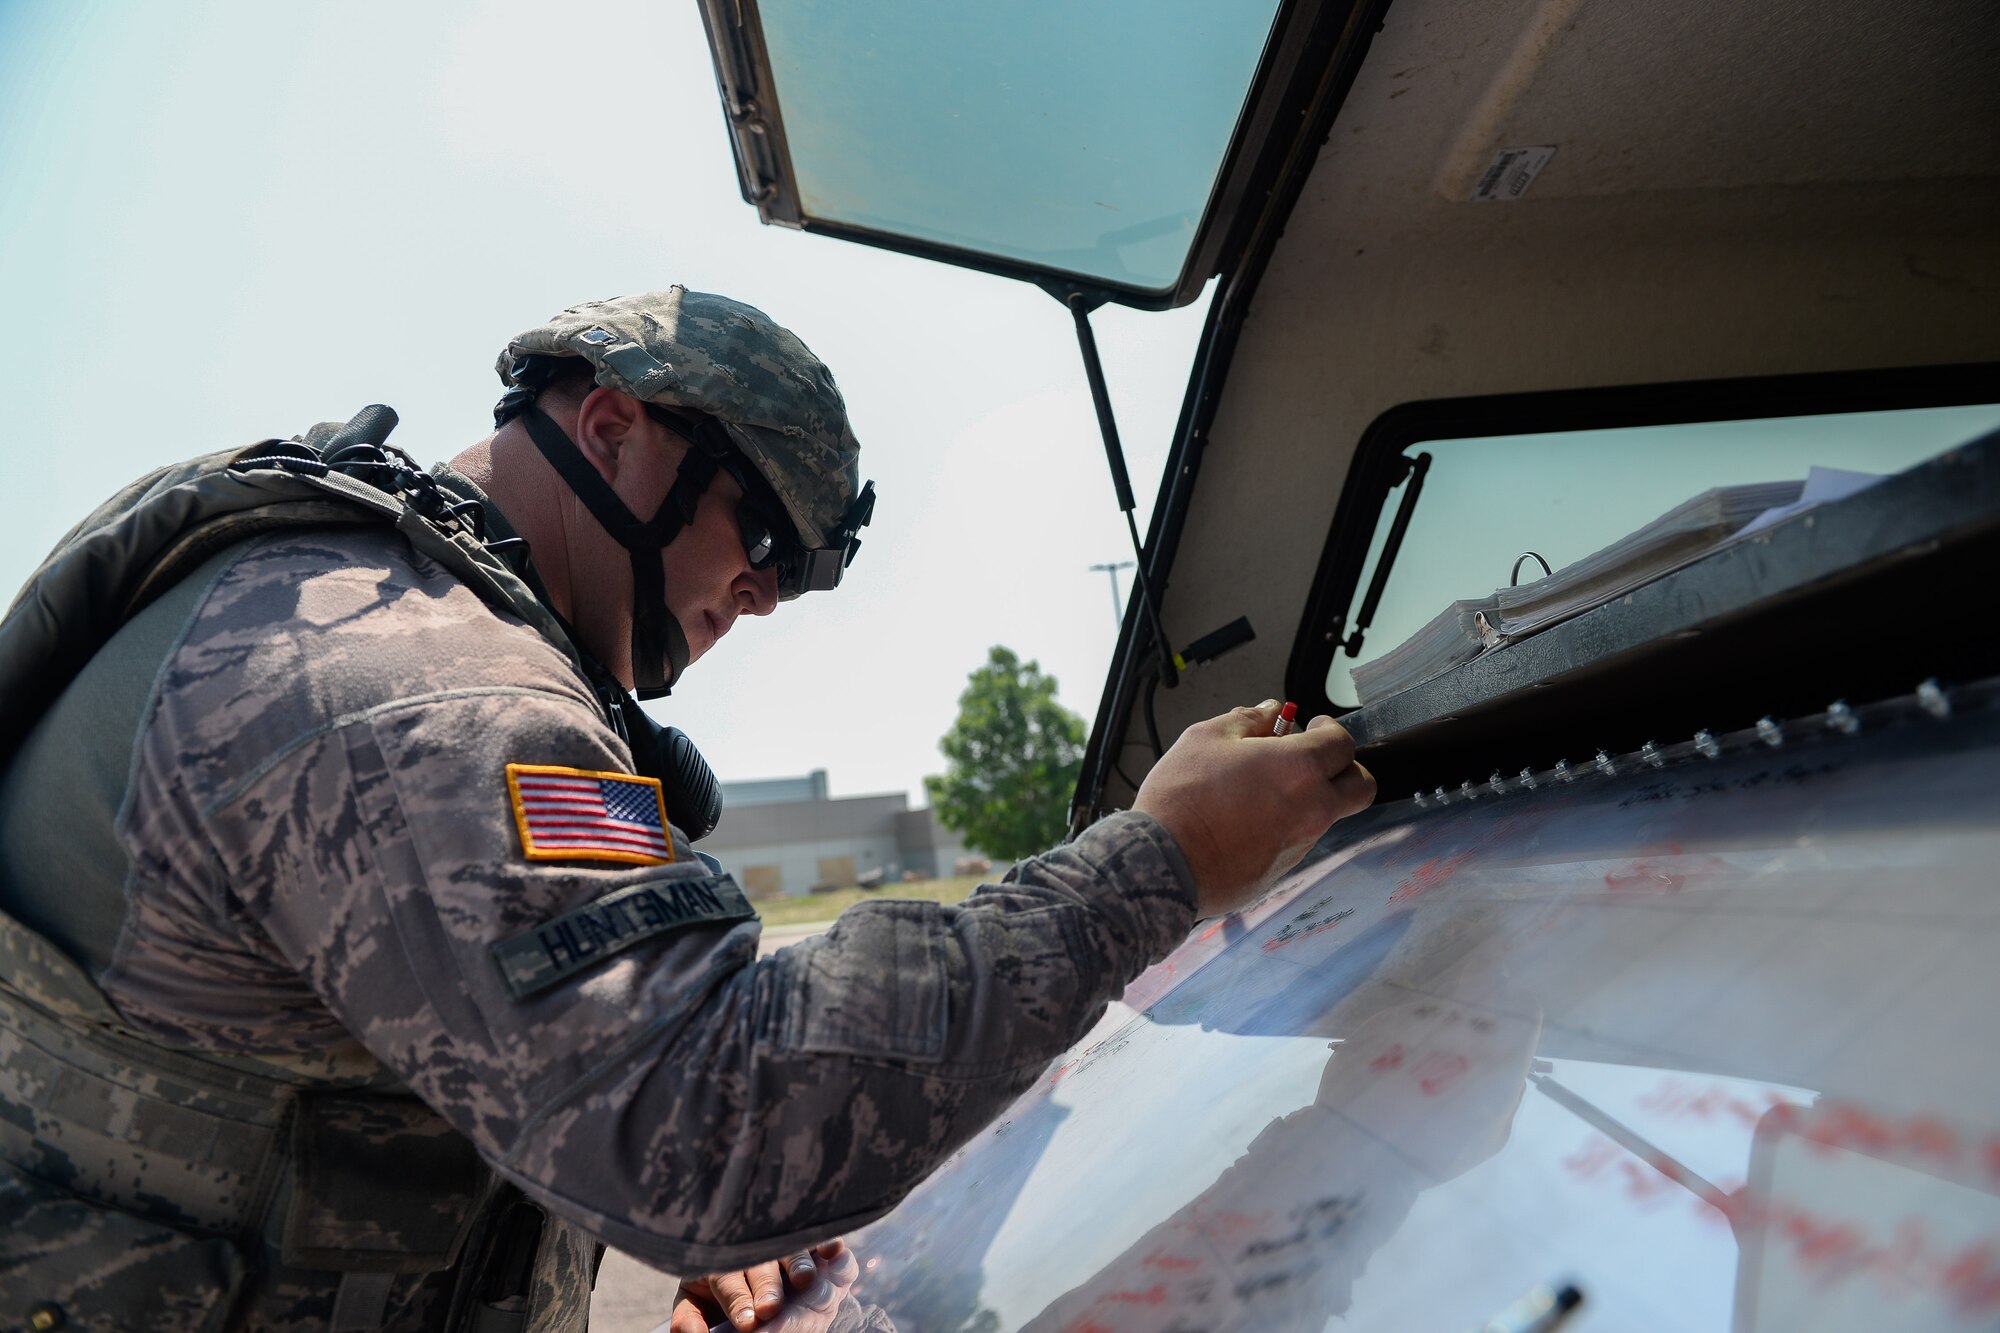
{"points": [[1287, 720]]}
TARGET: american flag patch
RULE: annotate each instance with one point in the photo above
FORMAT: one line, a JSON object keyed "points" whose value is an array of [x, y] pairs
{"points": [[573, 814]]}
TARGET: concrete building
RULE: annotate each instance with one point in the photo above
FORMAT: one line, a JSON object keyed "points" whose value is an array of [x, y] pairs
{"points": [[787, 836]]}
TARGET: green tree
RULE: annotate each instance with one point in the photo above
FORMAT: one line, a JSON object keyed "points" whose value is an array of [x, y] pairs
{"points": [[1012, 760]]}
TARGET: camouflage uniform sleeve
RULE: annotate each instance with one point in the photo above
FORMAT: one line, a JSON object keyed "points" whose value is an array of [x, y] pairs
{"points": [[682, 1100]]}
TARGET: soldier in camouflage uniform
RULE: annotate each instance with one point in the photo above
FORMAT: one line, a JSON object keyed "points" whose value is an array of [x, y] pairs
{"points": [[350, 975]]}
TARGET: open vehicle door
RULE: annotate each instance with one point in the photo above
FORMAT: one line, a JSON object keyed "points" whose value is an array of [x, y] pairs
{"points": [[1655, 991]]}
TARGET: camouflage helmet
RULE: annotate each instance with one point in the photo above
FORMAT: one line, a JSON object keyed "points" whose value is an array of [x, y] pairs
{"points": [[776, 400]]}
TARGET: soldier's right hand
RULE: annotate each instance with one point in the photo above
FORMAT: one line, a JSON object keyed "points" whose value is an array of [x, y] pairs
{"points": [[1246, 805], [784, 1294]]}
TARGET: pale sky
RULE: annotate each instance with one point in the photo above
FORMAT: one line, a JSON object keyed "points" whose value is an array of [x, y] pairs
{"points": [[226, 221]]}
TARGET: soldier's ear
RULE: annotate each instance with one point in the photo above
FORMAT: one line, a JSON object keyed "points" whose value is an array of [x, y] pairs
{"points": [[607, 421]]}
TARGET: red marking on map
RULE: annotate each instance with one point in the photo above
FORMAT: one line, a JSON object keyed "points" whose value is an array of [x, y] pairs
{"points": [[1439, 1071], [1928, 1136], [1685, 1100], [1645, 873], [1646, 1181], [1595, 1153], [1428, 876], [1228, 1221], [1832, 1124], [1173, 1263], [1643, 1179], [1974, 1279], [1844, 1125], [1153, 1295], [1670, 1169], [1389, 1059], [1660, 869], [1831, 1249]]}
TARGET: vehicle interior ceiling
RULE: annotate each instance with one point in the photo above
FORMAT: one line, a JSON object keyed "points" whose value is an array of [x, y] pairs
{"points": [[1771, 189]]}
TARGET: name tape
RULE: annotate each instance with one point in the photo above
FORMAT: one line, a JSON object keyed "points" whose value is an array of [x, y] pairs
{"points": [[585, 936]]}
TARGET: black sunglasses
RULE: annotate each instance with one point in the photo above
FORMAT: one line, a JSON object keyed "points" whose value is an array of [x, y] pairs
{"points": [[763, 540], [769, 538]]}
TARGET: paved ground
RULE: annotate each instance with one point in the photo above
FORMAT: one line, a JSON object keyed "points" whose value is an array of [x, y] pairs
{"points": [[630, 1297]]}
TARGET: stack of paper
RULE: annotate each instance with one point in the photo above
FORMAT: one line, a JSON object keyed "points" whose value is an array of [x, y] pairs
{"points": [[1683, 534], [1459, 633], [1823, 485]]}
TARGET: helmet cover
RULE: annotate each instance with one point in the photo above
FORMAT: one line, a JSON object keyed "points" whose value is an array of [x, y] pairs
{"points": [[777, 401]]}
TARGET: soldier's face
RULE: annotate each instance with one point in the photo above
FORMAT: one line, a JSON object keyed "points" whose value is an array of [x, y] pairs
{"points": [[708, 577]]}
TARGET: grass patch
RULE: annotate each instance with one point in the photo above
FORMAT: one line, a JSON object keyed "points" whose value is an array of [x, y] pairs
{"points": [[807, 908]]}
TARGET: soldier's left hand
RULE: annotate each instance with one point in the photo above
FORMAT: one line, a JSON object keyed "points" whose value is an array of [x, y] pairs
{"points": [[754, 1297]]}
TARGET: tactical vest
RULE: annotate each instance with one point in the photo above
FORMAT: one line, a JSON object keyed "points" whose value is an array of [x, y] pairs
{"points": [[168, 1190]]}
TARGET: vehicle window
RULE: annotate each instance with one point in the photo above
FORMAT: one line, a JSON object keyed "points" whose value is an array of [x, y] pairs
{"points": [[1567, 494], [1084, 138]]}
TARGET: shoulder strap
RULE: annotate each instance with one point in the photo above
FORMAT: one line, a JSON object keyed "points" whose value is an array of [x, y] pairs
{"points": [[153, 532]]}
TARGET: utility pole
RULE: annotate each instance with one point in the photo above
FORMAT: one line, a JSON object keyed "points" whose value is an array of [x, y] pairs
{"points": [[1117, 602]]}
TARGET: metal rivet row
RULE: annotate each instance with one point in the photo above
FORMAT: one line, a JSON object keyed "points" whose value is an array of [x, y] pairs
{"points": [[1840, 717]]}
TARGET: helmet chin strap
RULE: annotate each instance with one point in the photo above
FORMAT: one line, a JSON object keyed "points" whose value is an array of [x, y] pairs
{"points": [[659, 646]]}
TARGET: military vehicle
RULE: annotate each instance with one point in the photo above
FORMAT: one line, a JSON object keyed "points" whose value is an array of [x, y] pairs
{"points": [[1596, 409]]}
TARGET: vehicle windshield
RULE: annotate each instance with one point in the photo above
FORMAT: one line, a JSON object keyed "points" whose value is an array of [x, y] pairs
{"points": [[1084, 139], [1704, 1044], [1565, 495]]}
